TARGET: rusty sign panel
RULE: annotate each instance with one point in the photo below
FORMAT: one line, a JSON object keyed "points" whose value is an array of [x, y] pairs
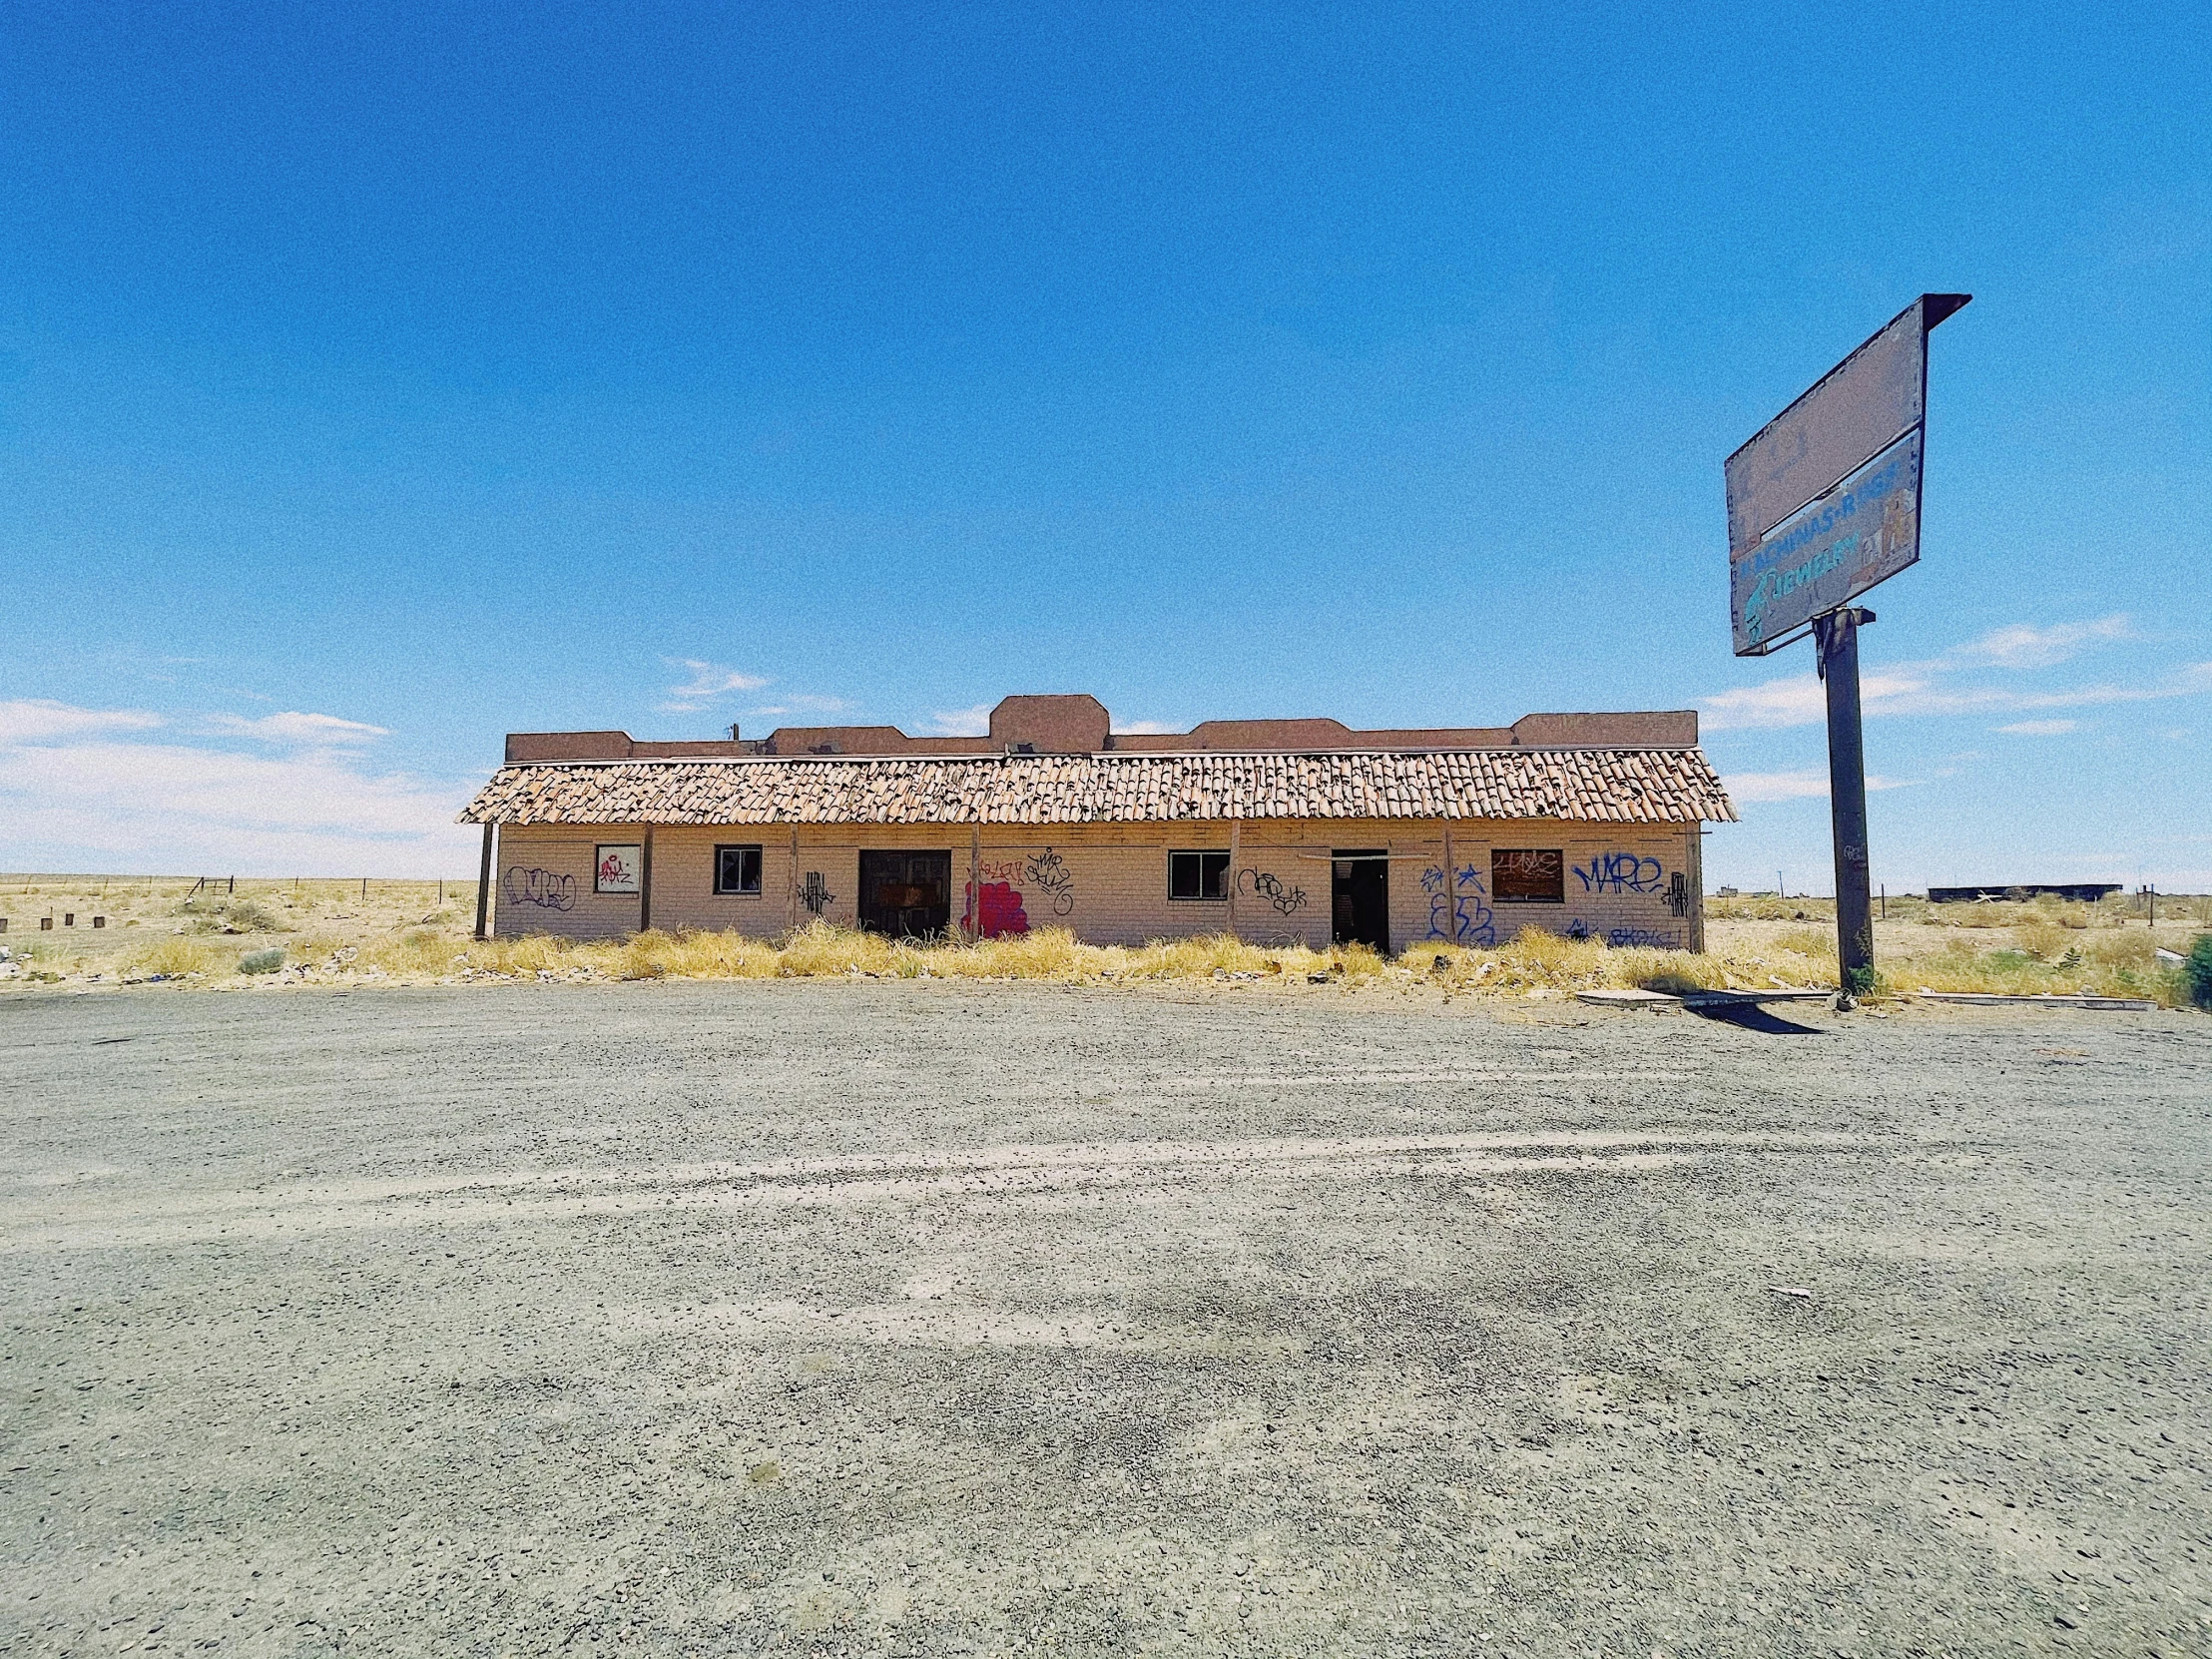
{"points": [[1798, 543]]}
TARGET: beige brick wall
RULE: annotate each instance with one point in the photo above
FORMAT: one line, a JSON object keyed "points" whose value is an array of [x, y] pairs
{"points": [[1108, 884], [544, 884]]}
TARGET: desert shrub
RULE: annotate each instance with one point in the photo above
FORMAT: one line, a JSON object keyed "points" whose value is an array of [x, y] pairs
{"points": [[2196, 972], [1807, 941], [174, 954], [1770, 907], [820, 948], [261, 962], [2121, 949], [416, 951], [1980, 913], [2044, 939]]}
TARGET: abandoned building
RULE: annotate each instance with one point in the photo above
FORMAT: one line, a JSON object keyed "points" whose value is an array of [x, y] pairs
{"points": [[1276, 830]]}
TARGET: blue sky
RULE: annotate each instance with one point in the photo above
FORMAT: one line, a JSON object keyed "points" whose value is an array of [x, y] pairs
{"points": [[374, 381]]}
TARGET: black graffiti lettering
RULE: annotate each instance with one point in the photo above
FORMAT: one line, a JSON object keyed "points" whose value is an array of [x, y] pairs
{"points": [[1048, 872], [814, 893], [1287, 900]]}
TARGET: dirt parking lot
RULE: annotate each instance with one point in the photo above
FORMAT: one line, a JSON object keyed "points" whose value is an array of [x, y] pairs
{"points": [[914, 1318]]}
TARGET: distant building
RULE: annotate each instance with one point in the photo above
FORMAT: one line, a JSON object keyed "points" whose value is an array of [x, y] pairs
{"points": [[1277, 830]]}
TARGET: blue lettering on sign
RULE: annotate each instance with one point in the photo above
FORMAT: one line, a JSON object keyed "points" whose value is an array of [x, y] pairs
{"points": [[1850, 536]]}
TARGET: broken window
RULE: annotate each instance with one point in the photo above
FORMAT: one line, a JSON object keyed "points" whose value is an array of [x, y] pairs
{"points": [[737, 870], [1529, 876], [1198, 875]]}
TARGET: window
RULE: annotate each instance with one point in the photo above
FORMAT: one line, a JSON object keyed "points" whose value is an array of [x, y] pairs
{"points": [[1198, 875], [1529, 876], [738, 870]]}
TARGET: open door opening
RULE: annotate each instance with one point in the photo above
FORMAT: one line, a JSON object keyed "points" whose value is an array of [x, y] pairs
{"points": [[907, 894], [1360, 897]]}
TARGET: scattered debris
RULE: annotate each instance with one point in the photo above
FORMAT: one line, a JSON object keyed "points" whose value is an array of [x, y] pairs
{"points": [[1790, 1290]]}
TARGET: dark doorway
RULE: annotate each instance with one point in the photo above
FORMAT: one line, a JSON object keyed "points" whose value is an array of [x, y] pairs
{"points": [[907, 894], [1360, 897]]}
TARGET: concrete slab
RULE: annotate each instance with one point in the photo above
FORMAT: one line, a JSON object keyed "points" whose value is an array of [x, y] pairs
{"points": [[2124, 1005]]}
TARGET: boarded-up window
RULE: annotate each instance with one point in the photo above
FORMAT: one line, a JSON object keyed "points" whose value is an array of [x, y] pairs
{"points": [[1529, 876], [617, 869]]}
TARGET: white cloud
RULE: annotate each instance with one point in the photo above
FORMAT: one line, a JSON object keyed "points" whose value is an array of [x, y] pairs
{"points": [[709, 683], [1147, 728], [1801, 700], [78, 793], [1793, 785], [299, 729], [800, 703], [960, 722], [29, 720], [2041, 727], [2022, 645]]}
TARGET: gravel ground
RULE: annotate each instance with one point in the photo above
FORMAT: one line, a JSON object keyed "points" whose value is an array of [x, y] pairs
{"points": [[899, 1317]]}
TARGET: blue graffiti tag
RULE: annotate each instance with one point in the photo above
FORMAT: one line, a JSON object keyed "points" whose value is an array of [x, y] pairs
{"points": [[1464, 917], [1620, 873], [1651, 937]]}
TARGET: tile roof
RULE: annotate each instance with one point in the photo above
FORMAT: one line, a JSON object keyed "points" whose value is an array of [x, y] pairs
{"points": [[1603, 785]]}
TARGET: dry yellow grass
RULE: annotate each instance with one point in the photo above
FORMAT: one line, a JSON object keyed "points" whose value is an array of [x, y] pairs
{"points": [[400, 933]]}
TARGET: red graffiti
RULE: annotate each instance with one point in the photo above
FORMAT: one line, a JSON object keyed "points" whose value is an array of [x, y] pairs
{"points": [[1001, 913]]}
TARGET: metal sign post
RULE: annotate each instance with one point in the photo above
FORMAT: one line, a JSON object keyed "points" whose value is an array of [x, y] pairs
{"points": [[1837, 635], [1824, 502]]}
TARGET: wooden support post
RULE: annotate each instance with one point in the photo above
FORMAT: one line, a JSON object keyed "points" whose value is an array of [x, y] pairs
{"points": [[1236, 854], [1451, 891], [790, 902], [975, 916], [645, 882], [1697, 887], [484, 888]]}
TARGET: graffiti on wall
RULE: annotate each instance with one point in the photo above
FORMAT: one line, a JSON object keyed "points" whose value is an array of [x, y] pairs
{"points": [[999, 912], [618, 870], [1048, 872], [1620, 873], [548, 890], [1288, 900], [1460, 911], [1654, 938], [814, 894], [1678, 897]]}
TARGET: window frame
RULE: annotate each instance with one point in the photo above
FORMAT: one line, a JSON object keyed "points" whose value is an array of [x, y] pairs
{"points": [[760, 882], [1498, 895], [1202, 855]]}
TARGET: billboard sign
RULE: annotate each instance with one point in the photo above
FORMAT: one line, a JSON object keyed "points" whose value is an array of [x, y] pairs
{"points": [[1824, 501], [1863, 531]]}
